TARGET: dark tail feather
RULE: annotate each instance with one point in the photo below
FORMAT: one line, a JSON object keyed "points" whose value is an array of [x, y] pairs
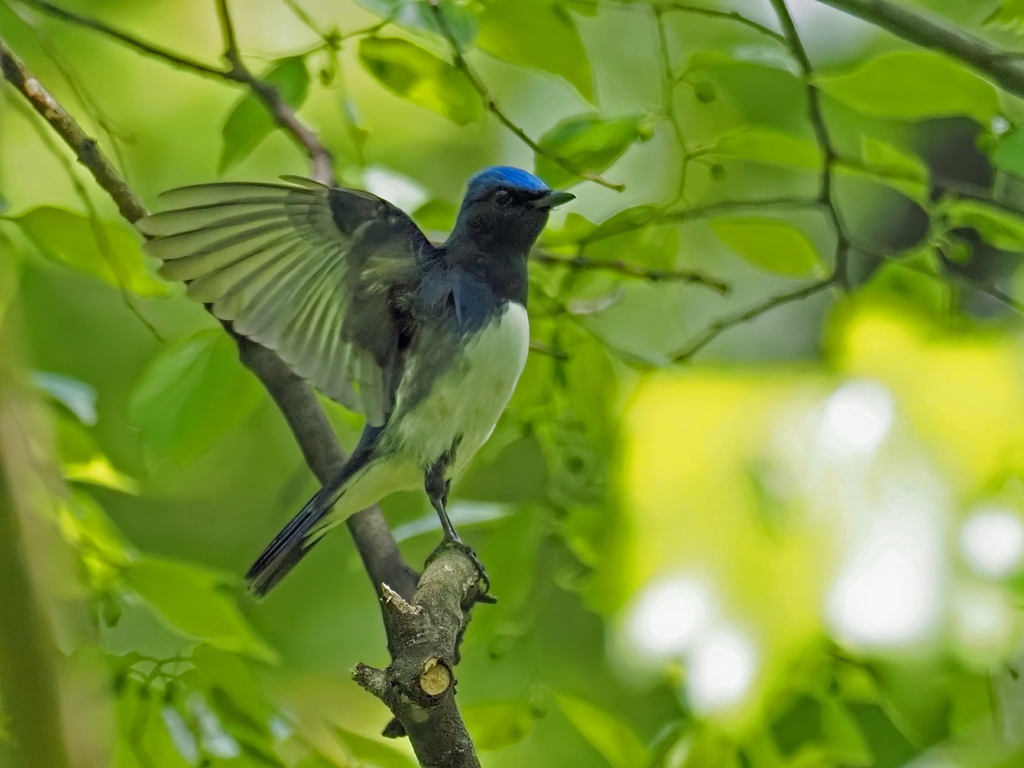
{"points": [[292, 543]]}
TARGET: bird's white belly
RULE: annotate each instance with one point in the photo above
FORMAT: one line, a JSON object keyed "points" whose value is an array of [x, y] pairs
{"points": [[467, 400]]}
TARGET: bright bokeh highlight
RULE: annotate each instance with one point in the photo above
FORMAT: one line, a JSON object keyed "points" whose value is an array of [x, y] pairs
{"points": [[992, 541]]}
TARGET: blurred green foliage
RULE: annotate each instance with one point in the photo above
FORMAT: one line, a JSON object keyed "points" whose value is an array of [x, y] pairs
{"points": [[803, 549]]}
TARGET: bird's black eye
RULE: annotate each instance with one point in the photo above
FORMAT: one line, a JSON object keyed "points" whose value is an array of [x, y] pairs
{"points": [[501, 197]]}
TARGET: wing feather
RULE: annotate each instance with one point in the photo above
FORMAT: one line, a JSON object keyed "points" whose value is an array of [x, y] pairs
{"points": [[316, 273]]}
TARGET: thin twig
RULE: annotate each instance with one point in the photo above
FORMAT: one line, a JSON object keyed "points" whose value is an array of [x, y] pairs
{"points": [[732, 16], [584, 264], [148, 49], [323, 165], [829, 156], [722, 325], [546, 349], [668, 96], [492, 106]]}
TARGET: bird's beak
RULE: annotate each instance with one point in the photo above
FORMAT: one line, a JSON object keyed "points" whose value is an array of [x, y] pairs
{"points": [[553, 199]]}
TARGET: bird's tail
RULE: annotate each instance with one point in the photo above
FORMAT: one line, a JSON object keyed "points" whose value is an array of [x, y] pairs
{"points": [[294, 541]]}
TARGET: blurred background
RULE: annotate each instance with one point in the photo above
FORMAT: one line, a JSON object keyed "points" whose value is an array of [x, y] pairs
{"points": [[801, 544]]}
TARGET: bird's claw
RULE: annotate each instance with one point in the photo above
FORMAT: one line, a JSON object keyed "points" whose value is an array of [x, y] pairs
{"points": [[485, 581]]}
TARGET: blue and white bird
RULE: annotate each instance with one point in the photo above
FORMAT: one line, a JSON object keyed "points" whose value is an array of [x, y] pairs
{"points": [[428, 341]]}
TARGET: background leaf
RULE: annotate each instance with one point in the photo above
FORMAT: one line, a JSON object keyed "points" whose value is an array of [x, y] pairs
{"points": [[613, 740], [539, 34], [996, 226], [773, 245], [499, 724], [912, 85], [767, 146], [193, 392], [249, 121], [192, 601], [370, 752], [70, 238], [421, 77], [589, 144]]}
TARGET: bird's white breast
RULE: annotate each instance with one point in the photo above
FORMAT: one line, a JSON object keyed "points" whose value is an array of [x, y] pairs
{"points": [[467, 400]]}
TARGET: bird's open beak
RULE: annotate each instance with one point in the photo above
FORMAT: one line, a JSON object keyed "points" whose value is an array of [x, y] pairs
{"points": [[553, 199]]}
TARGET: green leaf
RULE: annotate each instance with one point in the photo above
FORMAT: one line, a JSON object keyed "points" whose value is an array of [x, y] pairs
{"points": [[83, 461], [588, 144], [100, 546], [1008, 15], [626, 220], [499, 724], [538, 34], [1008, 152], [102, 249], [767, 146], [370, 752], [417, 16], [613, 740], [841, 735], [884, 164], [421, 77], [249, 121], [192, 393], [911, 85], [917, 279], [997, 227], [771, 244], [192, 601]]}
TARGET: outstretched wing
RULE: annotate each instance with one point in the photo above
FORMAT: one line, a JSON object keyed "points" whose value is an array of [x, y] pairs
{"points": [[320, 275]]}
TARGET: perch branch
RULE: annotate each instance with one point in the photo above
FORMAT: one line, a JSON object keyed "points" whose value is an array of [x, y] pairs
{"points": [[423, 638]]}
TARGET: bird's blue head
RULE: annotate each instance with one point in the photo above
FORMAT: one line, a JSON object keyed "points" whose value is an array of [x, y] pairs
{"points": [[504, 211]]}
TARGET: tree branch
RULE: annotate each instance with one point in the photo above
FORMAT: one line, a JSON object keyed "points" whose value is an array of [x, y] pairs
{"points": [[492, 106], [583, 264], [914, 26], [722, 325], [423, 638]]}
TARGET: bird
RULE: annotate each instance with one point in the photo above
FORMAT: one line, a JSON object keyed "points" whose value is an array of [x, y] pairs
{"points": [[426, 340]]}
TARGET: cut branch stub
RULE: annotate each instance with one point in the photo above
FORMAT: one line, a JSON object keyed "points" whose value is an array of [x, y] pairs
{"points": [[423, 636]]}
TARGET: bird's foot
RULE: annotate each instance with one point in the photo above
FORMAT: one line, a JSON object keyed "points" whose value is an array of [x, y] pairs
{"points": [[484, 595]]}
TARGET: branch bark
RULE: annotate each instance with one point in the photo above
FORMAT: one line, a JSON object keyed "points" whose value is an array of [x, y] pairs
{"points": [[423, 639], [1003, 67]]}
